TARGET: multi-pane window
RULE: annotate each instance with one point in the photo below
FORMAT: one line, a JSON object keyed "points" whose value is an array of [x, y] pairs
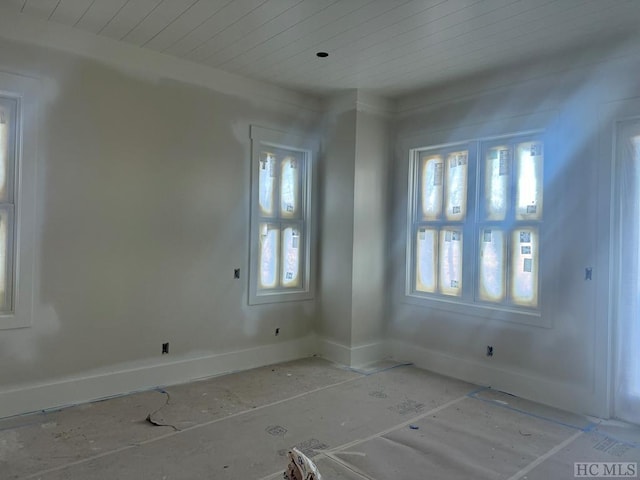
{"points": [[19, 122], [441, 215], [475, 217], [8, 151], [280, 220], [509, 222]]}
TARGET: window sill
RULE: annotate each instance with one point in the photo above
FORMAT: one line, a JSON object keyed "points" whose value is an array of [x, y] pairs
{"points": [[10, 321], [489, 312], [280, 297]]}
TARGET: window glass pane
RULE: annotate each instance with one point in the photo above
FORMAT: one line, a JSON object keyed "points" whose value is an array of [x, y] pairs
{"points": [[291, 243], [431, 175], [524, 267], [451, 262], [496, 182], [456, 187], [426, 251], [5, 122], [268, 261], [266, 184], [529, 157], [4, 250], [290, 187], [492, 284]]}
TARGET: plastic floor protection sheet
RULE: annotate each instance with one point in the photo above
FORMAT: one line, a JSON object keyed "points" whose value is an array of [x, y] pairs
{"points": [[489, 435], [401, 423]]}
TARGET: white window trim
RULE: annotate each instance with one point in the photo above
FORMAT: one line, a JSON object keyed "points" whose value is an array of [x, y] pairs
{"points": [[260, 137], [26, 91], [464, 306]]}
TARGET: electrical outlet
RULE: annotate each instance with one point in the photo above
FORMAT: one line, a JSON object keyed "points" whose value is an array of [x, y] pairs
{"points": [[489, 351], [236, 273], [165, 348]]}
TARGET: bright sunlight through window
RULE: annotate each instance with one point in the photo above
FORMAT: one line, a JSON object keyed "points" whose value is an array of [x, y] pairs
{"points": [[280, 217], [481, 248]]}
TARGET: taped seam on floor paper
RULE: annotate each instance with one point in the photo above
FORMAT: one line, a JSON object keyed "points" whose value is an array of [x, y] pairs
{"points": [[379, 434], [380, 370], [349, 467], [16, 427], [547, 455], [396, 427], [590, 426], [187, 429]]}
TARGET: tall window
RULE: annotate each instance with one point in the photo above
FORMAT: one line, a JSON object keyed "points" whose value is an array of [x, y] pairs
{"points": [[475, 216], [8, 152], [441, 215], [19, 119], [510, 214], [280, 228]]}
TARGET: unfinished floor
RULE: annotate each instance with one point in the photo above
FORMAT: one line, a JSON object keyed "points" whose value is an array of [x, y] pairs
{"points": [[390, 421]]}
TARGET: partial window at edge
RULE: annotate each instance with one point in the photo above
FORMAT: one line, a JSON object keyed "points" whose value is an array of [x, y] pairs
{"points": [[8, 154]]}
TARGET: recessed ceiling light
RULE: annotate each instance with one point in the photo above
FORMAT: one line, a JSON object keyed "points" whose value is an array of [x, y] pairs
{"points": [[322, 54]]}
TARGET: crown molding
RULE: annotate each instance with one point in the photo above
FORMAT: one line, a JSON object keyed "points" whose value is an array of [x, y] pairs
{"points": [[375, 104], [587, 66], [33, 31], [361, 102]]}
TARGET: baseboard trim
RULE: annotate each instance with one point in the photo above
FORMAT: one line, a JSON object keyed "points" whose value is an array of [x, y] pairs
{"points": [[571, 397], [98, 385], [352, 356], [333, 351], [366, 354]]}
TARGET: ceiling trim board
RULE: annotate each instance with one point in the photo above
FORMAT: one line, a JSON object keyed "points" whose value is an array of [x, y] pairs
{"points": [[360, 101], [609, 58], [21, 28]]}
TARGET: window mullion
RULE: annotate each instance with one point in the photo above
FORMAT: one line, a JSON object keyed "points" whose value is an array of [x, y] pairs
{"points": [[504, 201], [277, 220], [470, 251], [510, 220]]}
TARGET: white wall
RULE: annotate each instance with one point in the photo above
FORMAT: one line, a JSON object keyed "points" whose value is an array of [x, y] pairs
{"points": [[371, 189], [335, 254], [575, 98], [143, 214], [353, 223]]}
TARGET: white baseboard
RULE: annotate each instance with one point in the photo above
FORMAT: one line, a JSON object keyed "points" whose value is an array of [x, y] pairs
{"points": [[566, 396], [336, 352], [352, 356], [366, 354], [131, 378]]}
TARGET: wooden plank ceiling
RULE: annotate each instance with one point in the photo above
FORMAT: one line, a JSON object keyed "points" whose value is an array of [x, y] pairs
{"points": [[387, 47]]}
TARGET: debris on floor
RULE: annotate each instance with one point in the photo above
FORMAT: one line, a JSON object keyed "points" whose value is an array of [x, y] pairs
{"points": [[330, 415], [158, 424], [150, 417], [300, 467]]}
